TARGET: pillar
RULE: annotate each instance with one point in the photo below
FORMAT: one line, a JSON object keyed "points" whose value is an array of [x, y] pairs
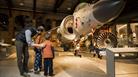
{"points": [[53, 24], [11, 31], [129, 36], [113, 29]]}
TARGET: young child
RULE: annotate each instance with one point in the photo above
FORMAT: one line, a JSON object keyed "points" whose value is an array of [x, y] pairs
{"points": [[95, 50], [77, 48], [48, 55], [38, 56]]}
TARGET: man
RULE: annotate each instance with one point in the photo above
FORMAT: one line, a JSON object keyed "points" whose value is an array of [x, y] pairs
{"points": [[23, 41]]}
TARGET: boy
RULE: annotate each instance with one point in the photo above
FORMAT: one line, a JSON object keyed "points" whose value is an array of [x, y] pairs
{"points": [[48, 55]]}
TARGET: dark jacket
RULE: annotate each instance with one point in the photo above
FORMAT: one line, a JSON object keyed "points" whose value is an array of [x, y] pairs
{"points": [[21, 35]]}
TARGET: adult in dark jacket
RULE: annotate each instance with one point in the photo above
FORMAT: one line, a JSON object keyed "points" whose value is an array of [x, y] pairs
{"points": [[23, 41]]}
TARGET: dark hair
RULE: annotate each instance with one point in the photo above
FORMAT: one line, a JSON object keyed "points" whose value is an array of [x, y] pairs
{"points": [[27, 19]]}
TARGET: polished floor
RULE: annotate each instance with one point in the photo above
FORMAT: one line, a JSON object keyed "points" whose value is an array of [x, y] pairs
{"points": [[67, 65]]}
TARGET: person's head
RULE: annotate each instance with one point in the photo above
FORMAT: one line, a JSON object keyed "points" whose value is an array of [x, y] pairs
{"points": [[47, 36], [27, 21], [40, 29]]}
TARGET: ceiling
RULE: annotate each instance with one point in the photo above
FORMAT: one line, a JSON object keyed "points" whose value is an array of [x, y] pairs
{"points": [[67, 7], [42, 6]]}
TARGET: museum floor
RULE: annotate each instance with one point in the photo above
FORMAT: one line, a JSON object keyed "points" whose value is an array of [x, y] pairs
{"points": [[68, 65]]}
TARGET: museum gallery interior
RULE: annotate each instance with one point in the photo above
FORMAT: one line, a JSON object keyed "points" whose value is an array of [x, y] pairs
{"points": [[90, 38]]}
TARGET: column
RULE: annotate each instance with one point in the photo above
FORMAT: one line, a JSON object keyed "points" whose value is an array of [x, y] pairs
{"points": [[11, 31]]}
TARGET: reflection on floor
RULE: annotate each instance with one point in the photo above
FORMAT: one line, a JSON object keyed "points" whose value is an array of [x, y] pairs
{"points": [[67, 65]]}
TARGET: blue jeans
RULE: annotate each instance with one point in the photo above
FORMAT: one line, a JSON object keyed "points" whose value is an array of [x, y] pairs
{"points": [[38, 60], [48, 66]]}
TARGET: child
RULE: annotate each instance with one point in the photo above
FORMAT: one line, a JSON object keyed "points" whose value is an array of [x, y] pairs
{"points": [[77, 48], [38, 56], [48, 55], [95, 49]]}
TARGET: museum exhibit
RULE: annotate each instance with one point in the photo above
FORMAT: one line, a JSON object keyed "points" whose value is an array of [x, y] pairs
{"points": [[68, 38]]}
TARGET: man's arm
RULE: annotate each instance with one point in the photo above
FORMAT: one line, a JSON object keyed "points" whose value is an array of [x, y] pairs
{"points": [[38, 45], [28, 34]]}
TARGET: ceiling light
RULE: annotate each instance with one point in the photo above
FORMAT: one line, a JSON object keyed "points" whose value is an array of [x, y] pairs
{"points": [[68, 8], [21, 4]]}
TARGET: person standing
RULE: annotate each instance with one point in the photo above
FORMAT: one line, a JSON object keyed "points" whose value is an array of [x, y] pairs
{"points": [[23, 39], [95, 50], [38, 51], [22, 42], [77, 48]]}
